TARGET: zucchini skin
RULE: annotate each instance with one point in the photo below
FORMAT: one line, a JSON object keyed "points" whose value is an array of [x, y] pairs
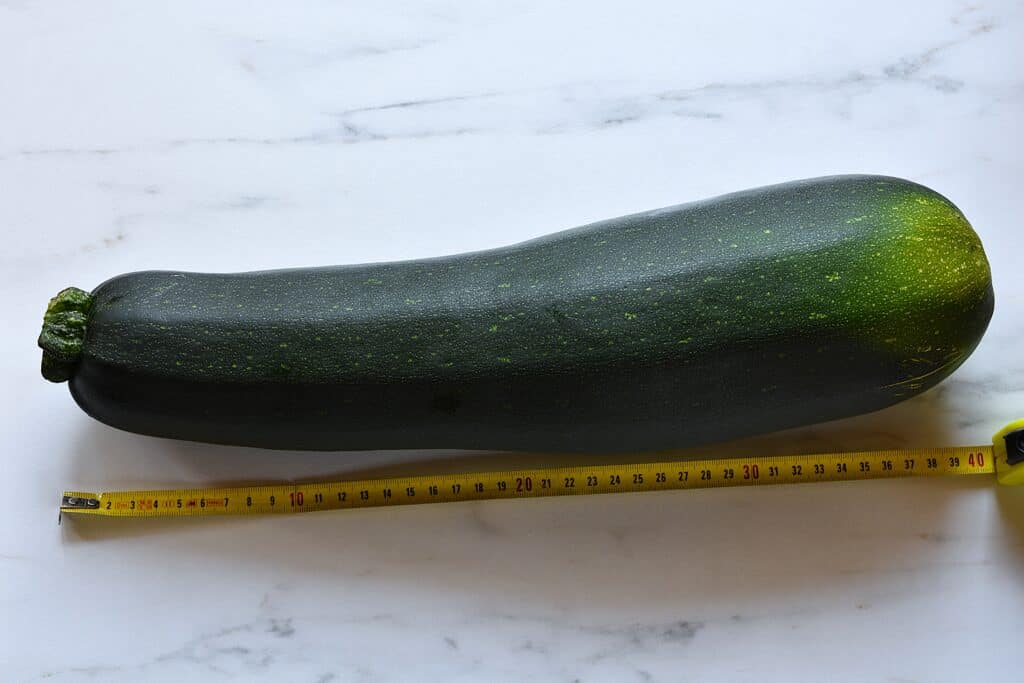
{"points": [[748, 313]]}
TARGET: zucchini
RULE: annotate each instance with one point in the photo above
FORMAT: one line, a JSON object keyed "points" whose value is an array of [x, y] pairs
{"points": [[751, 312]]}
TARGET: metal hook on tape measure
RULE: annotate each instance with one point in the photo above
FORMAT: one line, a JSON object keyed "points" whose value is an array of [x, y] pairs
{"points": [[73, 503], [79, 503]]}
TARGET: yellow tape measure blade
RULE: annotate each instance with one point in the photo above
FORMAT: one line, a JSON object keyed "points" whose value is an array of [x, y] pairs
{"points": [[538, 482]]}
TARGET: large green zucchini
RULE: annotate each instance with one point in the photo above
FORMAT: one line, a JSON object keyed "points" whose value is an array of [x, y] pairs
{"points": [[751, 312]]}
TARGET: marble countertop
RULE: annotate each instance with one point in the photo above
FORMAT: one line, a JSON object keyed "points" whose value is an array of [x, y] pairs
{"points": [[201, 136]]}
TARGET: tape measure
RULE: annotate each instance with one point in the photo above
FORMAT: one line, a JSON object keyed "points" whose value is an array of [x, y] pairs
{"points": [[1004, 457]]}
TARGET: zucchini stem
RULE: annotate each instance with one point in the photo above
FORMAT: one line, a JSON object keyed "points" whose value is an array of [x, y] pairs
{"points": [[64, 326]]}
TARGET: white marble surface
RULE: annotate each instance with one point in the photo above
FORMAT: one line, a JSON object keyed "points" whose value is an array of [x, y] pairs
{"points": [[219, 136]]}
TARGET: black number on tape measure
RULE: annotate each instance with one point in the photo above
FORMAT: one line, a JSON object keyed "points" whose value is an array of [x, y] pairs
{"points": [[865, 466], [478, 487], [364, 495], [660, 477], [908, 464], [841, 468], [273, 501], [614, 480], [591, 480], [410, 491], [248, 501], [705, 475], [773, 471], [202, 502], [502, 485], [887, 465], [638, 478], [317, 498], [342, 496], [386, 493], [156, 504], [954, 461], [177, 505], [932, 463], [819, 468], [545, 483], [432, 489], [108, 504], [798, 470], [728, 473], [684, 475], [570, 482], [456, 488]]}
